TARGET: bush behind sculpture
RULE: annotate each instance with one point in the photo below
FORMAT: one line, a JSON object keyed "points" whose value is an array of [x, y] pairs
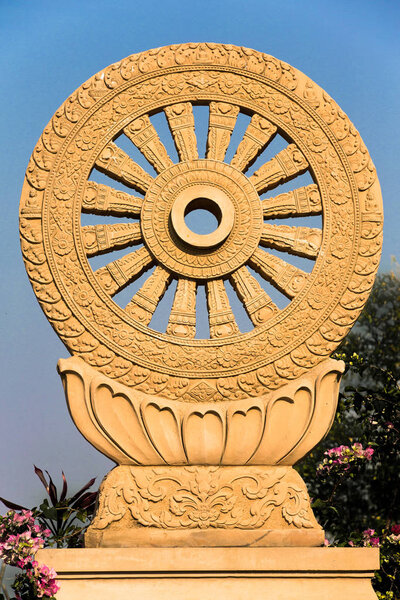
{"points": [[353, 475]]}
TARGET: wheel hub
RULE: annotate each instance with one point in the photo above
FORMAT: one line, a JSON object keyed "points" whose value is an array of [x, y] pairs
{"points": [[221, 189]]}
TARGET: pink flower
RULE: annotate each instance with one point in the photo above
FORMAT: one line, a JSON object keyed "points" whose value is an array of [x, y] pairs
{"points": [[369, 532], [45, 581], [370, 538], [395, 529], [342, 457], [368, 452], [21, 563], [20, 537]]}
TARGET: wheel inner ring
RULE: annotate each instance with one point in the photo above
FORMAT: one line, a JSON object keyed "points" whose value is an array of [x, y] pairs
{"points": [[205, 197], [217, 187]]}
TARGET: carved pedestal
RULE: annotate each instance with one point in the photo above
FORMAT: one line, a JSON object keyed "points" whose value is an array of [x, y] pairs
{"points": [[204, 506], [211, 474]]}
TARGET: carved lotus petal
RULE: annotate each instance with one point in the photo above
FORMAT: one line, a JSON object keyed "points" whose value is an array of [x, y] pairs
{"points": [[132, 427]]}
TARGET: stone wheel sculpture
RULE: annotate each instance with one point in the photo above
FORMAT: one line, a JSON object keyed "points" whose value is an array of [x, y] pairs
{"points": [[279, 100], [204, 431]]}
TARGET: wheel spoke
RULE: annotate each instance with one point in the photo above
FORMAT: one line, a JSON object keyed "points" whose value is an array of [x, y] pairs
{"points": [[285, 277], [115, 163], [143, 134], [301, 241], [221, 317], [145, 301], [117, 274], [181, 123], [103, 200], [299, 203], [257, 303], [182, 320], [256, 137], [286, 165], [98, 239], [221, 124]]}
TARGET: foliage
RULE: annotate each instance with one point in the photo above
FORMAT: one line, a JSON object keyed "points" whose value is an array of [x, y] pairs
{"points": [[62, 513], [354, 474], [386, 580], [59, 521], [20, 538]]}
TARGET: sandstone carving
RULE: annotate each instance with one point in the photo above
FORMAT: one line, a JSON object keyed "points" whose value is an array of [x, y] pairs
{"points": [[204, 431], [134, 428], [82, 135], [253, 506]]}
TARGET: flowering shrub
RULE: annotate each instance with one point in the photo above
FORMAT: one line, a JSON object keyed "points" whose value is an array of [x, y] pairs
{"points": [[38, 581], [388, 577], [343, 458], [20, 538], [66, 518], [370, 538], [340, 464], [60, 522], [386, 581]]}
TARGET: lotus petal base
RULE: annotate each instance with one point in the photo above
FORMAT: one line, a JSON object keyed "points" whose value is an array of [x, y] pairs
{"points": [[135, 428]]}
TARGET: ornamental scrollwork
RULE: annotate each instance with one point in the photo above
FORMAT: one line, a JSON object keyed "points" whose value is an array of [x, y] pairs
{"points": [[204, 497]]}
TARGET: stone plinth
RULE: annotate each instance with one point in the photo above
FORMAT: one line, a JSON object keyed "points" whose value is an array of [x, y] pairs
{"points": [[227, 573]]}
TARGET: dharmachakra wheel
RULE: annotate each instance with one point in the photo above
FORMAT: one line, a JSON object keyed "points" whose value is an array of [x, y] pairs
{"points": [[83, 138]]}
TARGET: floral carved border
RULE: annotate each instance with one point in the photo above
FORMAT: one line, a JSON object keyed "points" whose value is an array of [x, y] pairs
{"points": [[202, 497]]}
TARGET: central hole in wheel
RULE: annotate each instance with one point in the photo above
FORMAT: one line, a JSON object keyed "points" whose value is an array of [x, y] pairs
{"points": [[203, 216]]}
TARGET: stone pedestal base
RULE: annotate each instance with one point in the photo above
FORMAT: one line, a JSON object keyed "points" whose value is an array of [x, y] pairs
{"points": [[202, 505], [223, 573]]}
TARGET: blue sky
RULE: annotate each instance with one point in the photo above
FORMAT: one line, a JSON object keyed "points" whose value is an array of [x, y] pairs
{"points": [[351, 48]]}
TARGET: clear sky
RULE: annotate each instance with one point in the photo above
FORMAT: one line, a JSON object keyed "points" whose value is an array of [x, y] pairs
{"points": [[48, 48]]}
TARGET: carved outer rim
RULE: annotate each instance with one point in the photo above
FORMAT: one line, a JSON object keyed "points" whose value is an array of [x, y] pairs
{"points": [[266, 370]]}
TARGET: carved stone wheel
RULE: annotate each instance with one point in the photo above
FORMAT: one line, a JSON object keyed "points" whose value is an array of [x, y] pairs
{"points": [[83, 136]]}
